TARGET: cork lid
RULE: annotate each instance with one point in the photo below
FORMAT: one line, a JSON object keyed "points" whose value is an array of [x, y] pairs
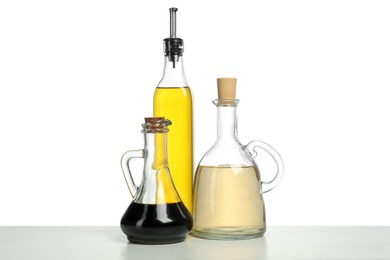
{"points": [[226, 88], [155, 125]]}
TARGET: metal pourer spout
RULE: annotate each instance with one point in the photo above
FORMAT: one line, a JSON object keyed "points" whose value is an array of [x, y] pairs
{"points": [[173, 11], [173, 47]]}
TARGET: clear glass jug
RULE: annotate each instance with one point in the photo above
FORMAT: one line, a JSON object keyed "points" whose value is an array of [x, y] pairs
{"points": [[228, 201], [156, 215]]}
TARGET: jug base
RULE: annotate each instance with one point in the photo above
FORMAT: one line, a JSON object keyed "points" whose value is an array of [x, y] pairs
{"points": [[228, 233], [156, 223], [149, 242]]}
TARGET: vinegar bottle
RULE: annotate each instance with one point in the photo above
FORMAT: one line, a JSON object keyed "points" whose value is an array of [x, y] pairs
{"points": [[156, 215], [172, 99], [228, 190]]}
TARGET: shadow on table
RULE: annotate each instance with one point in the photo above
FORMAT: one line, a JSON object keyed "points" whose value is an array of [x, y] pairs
{"points": [[194, 248]]}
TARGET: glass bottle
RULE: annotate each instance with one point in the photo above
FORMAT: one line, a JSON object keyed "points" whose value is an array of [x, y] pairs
{"points": [[172, 99], [228, 201], [156, 215]]}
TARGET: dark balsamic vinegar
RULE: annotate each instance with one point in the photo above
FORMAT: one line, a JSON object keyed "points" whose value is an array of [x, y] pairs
{"points": [[156, 223]]}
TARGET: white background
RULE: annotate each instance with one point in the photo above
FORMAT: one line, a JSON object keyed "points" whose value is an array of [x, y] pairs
{"points": [[77, 78]]}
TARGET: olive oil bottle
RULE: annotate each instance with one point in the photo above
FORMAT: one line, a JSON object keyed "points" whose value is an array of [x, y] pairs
{"points": [[172, 99]]}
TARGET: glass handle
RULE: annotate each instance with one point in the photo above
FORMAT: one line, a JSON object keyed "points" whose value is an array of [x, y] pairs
{"points": [[267, 185], [126, 168]]}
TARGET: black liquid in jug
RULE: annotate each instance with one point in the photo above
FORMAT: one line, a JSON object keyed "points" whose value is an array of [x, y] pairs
{"points": [[156, 223]]}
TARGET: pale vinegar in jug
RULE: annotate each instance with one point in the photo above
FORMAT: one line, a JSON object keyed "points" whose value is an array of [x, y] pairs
{"points": [[228, 201]]}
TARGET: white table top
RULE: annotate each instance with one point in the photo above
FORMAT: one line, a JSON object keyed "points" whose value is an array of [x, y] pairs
{"points": [[109, 243]]}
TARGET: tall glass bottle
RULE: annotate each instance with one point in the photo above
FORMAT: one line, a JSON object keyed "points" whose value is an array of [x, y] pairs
{"points": [[172, 99]]}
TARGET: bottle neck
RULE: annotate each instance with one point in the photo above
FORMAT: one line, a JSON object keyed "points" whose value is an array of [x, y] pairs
{"points": [[173, 75], [227, 124], [155, 151]]}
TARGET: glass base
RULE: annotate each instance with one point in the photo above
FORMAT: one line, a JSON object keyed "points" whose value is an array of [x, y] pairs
{"points": [[155, 242], [228, 233]]}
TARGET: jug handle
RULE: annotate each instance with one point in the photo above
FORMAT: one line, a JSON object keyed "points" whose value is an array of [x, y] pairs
{"points": [[267, 185], [126, 168]]}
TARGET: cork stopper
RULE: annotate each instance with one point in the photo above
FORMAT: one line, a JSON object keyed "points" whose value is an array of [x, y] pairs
{"points": [[155, 125], [226, 88], [154, 120]]}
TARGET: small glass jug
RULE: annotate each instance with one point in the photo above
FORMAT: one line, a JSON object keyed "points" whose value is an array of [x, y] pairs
{"points": [[228, 201], [156, 215]]}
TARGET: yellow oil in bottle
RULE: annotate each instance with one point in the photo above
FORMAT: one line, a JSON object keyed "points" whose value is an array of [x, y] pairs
{"points": [[175, 104]]}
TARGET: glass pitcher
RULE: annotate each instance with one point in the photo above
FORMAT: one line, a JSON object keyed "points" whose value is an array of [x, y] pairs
{"points": [[156, 215], [228, 201]]}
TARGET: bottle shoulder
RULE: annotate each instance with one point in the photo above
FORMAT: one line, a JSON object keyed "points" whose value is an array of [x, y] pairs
{"points": [[173, 82], [233, 153]]}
